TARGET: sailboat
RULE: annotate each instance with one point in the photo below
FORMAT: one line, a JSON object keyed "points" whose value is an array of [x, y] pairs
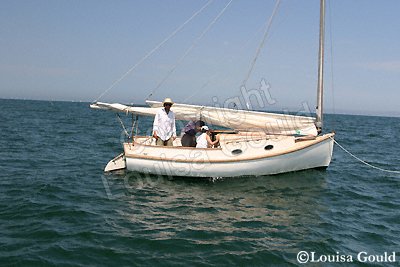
{"points": [[257, 143]]}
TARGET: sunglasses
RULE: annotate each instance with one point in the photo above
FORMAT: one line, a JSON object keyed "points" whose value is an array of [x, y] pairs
{"points": [[167, 104]]}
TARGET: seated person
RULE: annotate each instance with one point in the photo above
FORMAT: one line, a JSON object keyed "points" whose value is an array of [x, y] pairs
{"points": [[189, 133], [204, 140]]}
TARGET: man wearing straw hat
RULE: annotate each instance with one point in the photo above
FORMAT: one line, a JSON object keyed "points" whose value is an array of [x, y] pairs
{"points": [[164, 130]]}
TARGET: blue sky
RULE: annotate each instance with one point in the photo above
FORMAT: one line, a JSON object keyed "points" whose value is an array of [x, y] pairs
{"points": [[75, 50]]}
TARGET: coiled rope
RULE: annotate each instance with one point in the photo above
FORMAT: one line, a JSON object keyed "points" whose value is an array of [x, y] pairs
{"points": [[362, 161]]}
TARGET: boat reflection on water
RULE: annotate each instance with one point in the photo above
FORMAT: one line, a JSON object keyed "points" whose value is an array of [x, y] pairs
{"points": [[274, 211]]}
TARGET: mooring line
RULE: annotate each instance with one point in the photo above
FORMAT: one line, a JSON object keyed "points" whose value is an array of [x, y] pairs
{"points": [[362, 161]]}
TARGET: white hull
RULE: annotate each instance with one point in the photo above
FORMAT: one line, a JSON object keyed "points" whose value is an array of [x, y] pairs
{"points": [[117, 163], [287, 155]]}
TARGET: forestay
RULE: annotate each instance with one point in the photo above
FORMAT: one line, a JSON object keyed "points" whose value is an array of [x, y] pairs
{"points": [[271, 123]]}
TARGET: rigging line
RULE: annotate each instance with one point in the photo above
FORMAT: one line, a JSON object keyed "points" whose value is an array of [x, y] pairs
{"points": [[137, 126], [362, 161], [196, 92], [133, 125], [209, 26], [225, 58], [123, 126], [267, 29], [154, 49]]}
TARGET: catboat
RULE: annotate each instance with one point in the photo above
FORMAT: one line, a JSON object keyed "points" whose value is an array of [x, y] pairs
{"points": [[259, 143]]}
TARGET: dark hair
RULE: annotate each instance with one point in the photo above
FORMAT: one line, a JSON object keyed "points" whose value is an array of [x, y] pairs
{"points": [[200, 123]]}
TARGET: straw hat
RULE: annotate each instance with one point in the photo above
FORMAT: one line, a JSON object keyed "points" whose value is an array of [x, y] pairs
{"points": [[168, 100]]}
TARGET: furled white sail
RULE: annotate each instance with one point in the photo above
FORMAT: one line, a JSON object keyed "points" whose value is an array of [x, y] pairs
{"points": [[271, 123]]}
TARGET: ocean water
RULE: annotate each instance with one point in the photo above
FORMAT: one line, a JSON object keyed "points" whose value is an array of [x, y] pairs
{"points": [[57, 207]]}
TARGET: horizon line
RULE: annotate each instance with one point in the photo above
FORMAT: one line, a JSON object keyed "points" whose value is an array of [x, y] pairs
{"points": [[391, 114]]}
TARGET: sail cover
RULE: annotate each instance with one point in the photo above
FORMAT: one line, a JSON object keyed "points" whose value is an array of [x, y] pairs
{"points": [[271, 123]]}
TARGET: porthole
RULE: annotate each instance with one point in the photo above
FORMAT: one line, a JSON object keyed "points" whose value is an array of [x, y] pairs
{"points": [[236, 151], [268, 147]]}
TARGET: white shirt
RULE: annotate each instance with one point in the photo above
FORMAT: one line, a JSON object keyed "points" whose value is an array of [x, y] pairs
{"points": [[164, 124], [201, 141]]}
